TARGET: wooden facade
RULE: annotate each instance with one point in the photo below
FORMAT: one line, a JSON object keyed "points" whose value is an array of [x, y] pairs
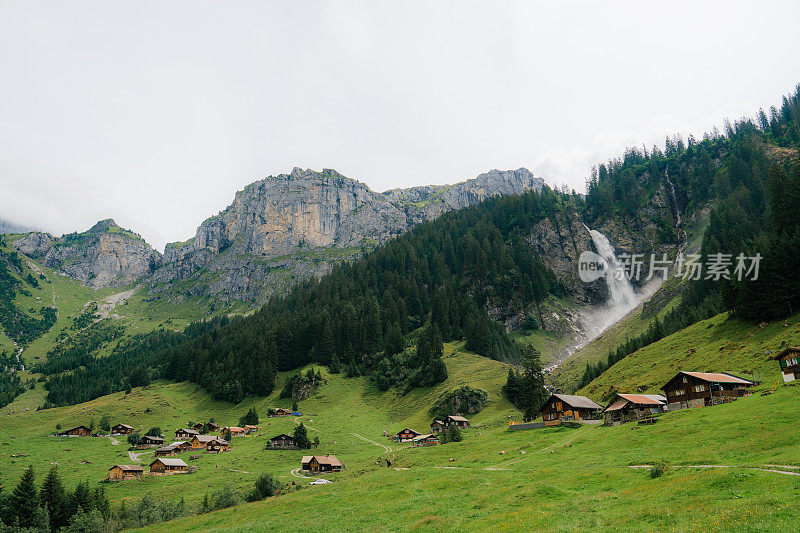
{"points": [[185, 433], [406, 435], [425, 440], [438, 426], [122, 429], [789, 360], [123, 472], [149, 441], [561, 408], [167, 451], [77, 431], [280, 411], [321, 463], [631, 407], [234, 430], [201, 441], [217, 446], [701, 389], [165, 465], [282, 442]]}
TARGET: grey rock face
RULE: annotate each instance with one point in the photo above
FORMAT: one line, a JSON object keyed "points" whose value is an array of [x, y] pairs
{"points": [[288, 227], [104, 256]]}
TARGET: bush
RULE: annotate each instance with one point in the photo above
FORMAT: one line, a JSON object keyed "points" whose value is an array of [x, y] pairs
{"points": [[265, 487], [227, 497], [134, 439], [451, 434], [464, 400], [658, 470]]}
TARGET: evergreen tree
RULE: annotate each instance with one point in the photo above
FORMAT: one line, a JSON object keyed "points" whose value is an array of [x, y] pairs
{"points": [[23, 500], [301, 437], [53, 497]]}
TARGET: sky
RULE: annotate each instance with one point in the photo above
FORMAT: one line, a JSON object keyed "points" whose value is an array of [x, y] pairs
{"points": [[155, 112]]}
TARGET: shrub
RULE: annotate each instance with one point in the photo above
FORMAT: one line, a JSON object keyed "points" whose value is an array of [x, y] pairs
{"points": [[658, 470], [265, 487]]}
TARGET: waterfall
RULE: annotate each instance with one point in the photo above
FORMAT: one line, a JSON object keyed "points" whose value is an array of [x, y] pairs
{"points": [[622, 298], [678, 217]]}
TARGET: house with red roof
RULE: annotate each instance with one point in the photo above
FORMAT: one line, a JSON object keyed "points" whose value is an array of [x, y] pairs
{"points": [[701, 389], [630, 407]]}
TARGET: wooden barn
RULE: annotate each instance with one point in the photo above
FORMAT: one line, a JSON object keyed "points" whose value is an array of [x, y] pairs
{"points": [[568, 408], [77, 431], [217, 445], [122, 429], [198, 427], [249, 429], [321, 463], [406, 435], [201, 441], [185, 433], [790, 363], [149, 441], [235, 431], [425, 440], [700, 389], [282, 442], [211, 426], [438, 426], [166, 466], [123, 472], [630, 407], [280, 411], [167, 451]]}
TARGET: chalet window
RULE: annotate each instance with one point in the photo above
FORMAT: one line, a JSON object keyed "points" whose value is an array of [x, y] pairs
{"points": [[680, 392], [700, 388], [685, 380]]}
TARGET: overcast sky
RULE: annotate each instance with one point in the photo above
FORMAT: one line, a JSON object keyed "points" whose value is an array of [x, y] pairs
{"points": [[155, 113]]}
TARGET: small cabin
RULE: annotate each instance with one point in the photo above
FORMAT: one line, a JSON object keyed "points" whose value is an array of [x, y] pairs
{"points": [[166, 466], [201, 441], [234, 430], [425, 440], [406, 435], [568, 408], [280, 411], [283, 441], [122, 429], [631, 407], [321, 463], [198, 427], [185, 433], [123, 472], [248, 429], [217, 445], [790, 363], [149, 441], [438, 426], [77, 431], [211, 426], [701, 389], [181, 445], [167, 451]]}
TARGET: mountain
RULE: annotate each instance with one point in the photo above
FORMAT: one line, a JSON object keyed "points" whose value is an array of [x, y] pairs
{"points": [[7, 226], [104, 256]]}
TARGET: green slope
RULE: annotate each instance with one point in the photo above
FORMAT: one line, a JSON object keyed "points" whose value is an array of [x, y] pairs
{"points": [[719, 344]]}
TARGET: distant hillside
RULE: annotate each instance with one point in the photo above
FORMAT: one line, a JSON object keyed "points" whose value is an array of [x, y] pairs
{"points": [[7, 226]]}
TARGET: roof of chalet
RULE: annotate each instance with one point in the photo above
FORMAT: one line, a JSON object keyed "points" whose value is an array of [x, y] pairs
{"points": [[207, 438], [636, 399], [152, 438], [282, 435], [189, 431], [169, 461], [712, 377], [128, 468], [126, 426], [786, 351], [409, 430], [580, 402], [425, 437], [322, 459], [458, 418]]}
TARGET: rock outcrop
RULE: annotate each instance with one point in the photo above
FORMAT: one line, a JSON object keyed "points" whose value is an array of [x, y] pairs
{"points": [[104, 256], [292, 226]]}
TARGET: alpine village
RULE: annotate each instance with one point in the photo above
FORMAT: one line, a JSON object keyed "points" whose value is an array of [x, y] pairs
{"points": [[495, 354]]}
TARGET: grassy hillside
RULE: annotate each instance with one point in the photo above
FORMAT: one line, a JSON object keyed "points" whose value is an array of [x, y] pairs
{"points": [[339, 409], [564, 480], [721, 343]]}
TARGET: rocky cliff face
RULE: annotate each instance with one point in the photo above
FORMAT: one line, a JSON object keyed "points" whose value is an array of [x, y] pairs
{"points": [[292, 226], [104, 256]]}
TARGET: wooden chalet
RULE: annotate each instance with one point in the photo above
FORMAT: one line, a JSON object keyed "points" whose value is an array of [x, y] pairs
{"points": [[167, 465], [700, 389], [280, 411], [321, 463], [181, 445], [77, 431], [425, 440], [123, 472], [790, 363], [248, 429], [167, 451], [568, 408], [406, 435], [630, 407], [122, 429], [438, 426], [211, 426], [198, 427], [201, 441], [149, 441], [235, 431], [282, 442], [185, 433], [217, 445]]}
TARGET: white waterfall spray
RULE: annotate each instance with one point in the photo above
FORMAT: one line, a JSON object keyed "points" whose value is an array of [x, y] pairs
{"points": [[682, 237]]}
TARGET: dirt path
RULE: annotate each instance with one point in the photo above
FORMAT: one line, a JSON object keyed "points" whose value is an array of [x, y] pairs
{"points": [[114, 441], [298, 422], [135, 456], [296, 473], [387, 449], [107, 304], [762, 469]]}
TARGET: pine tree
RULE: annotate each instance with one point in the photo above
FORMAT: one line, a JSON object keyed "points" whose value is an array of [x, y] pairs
{"points": [[301, 437], [52, 496], [23, 500]]}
